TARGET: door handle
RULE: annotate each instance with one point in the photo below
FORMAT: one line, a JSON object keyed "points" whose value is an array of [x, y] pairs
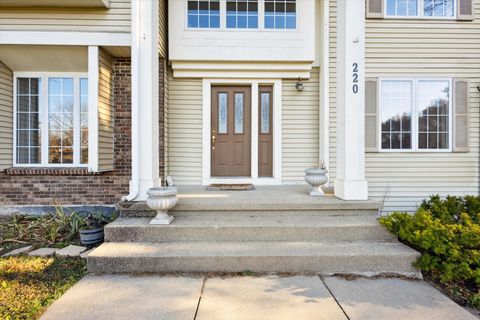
{"points": [[213, 139]]}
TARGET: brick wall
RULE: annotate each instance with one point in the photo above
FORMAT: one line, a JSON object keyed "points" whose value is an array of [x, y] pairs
{"points": [[20, 186]]}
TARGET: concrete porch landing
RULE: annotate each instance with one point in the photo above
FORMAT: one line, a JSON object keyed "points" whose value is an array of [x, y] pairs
{"points": [[265, 199]]}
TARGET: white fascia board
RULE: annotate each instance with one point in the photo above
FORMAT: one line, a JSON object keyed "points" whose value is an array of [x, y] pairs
{"points": [[65, 38], [56, 3]]}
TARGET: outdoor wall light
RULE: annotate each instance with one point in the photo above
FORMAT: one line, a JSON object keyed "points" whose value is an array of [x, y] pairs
{"points": [[299, 85]]}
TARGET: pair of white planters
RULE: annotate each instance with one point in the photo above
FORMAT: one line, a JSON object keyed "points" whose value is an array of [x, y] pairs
{"points": [[162, 199]]}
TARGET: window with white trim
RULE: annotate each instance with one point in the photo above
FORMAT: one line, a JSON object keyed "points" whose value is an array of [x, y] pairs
{"points": [[280, 14], [242, 14], [204, 14], [421, 8], [415, 114], [51, 120]]}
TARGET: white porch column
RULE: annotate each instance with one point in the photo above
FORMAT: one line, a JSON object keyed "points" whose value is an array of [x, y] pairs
{"points": [[350, 183], [145, 104]]}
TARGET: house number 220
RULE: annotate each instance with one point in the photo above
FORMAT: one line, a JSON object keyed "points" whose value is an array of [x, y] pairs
{"points": [[355, 78]]}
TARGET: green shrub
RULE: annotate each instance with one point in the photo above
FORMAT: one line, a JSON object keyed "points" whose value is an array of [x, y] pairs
{"points": [[447, 234]]}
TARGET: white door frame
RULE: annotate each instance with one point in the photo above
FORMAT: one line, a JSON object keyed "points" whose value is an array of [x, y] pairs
{"points": [[277, 131]]}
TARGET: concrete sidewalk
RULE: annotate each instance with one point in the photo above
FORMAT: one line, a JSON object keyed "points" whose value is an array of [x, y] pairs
{"points": [[259, 298]]}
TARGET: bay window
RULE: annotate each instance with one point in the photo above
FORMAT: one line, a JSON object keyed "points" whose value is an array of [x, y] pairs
{"points": [[421, 8], [415, 114], [51, 120]]}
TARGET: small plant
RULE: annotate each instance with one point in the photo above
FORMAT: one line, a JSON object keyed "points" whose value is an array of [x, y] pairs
{"points": [[94, 221], [447, 234], [322, 165]]}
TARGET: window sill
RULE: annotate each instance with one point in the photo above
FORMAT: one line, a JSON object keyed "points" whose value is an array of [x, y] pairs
{"points": [[58, 171]]}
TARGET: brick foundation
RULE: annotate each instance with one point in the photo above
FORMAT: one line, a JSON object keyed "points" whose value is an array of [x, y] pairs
{"points": [[62, 186]]}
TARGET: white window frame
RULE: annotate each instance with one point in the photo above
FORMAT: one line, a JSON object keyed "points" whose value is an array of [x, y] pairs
{"points": [[43, 117], [223, 19], [415, 111], [420, 12]]}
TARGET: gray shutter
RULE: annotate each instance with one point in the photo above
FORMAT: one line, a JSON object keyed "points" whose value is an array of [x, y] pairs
{"points": [[374, 9], [6, 117], [371, 113], [465, 10], [460, 116]]}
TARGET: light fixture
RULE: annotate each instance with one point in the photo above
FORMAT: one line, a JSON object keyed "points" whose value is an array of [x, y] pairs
{"points": [[299, 84]]}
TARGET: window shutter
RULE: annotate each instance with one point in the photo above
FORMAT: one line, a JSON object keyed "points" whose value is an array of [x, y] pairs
{"points": [[105, 112], [465, 10], [374, 9], [371, 112], [460, 116], [6, 117]]}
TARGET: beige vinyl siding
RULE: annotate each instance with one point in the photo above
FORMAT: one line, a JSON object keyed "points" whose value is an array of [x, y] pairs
{"points": [[418, 48], [105, 112], [300, 128], [163, 28], [185, 130], [114, 19], [6, 117]]}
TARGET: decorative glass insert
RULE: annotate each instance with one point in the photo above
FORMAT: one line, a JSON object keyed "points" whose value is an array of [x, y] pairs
{"points": [[433, 114], [239, 113], [280, 14], [265, 112], [242, 14], [204, 14], [28, 120], [396, 114], [438, 8], [84, 121], [402, 7], [222, 112], [60, 120]]}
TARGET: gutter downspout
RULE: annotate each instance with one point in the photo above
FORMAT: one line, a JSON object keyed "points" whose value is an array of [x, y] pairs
{"points": [[134, 182]]}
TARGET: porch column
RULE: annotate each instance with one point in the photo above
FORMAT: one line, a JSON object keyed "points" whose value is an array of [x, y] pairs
{"points": [[145, 96], [350, 183]]}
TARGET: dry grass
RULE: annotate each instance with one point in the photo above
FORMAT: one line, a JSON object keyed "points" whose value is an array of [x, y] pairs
{"points": [[29, 284]]}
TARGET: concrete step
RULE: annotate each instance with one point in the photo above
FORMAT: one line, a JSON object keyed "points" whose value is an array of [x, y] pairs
{"points": [[324, 208], [360, 257], [252, 227]]}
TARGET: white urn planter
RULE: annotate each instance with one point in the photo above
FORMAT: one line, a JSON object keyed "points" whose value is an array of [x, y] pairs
{"points": [[162, 199], [316, 177]]}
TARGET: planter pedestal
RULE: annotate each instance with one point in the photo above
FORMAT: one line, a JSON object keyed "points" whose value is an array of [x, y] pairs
{"points": [[162, 218], [162, 199]]}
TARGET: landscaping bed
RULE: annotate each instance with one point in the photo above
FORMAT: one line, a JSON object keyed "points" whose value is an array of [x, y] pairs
{"points": [[29, 284], [447, 234]]}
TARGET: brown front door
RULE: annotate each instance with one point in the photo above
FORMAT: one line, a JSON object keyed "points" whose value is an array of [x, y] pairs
{"points": [[230, 131]]}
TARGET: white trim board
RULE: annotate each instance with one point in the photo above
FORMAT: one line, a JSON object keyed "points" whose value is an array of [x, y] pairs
{"points": [[65, 38], [277, 131]]}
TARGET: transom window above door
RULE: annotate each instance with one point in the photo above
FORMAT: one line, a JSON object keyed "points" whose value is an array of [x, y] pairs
{"points": [[51, 120], [242, 14], [421, 8]]}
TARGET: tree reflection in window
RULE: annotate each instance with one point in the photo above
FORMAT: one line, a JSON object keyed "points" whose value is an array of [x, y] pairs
{"points": [[433, 115], [396, 114]]}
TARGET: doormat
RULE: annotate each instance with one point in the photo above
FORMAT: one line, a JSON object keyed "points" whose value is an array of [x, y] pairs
{"points": [[230, 187]]}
